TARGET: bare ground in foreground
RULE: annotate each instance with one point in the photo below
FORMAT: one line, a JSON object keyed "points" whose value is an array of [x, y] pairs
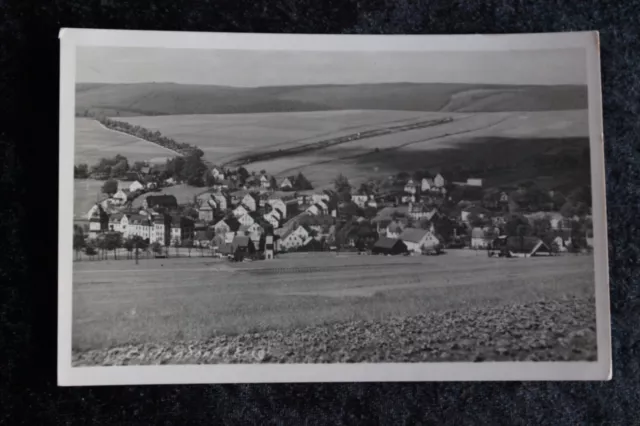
{"points": [[546, 330]]}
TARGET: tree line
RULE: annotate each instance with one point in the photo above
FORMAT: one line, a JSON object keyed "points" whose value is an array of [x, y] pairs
{"points": [[156, 137]]}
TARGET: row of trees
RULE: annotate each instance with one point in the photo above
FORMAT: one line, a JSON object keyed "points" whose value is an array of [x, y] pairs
{"points": [[113, 241], [148, 135]]}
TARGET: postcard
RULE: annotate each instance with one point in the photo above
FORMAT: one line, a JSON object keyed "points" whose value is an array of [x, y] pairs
{"points": [[243, 208]]}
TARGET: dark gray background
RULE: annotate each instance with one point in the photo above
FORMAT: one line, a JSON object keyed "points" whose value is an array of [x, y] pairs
{"points": [[28, 218]]}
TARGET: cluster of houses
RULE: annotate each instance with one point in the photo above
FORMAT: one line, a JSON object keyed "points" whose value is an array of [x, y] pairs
{"points": [[256, 216]]}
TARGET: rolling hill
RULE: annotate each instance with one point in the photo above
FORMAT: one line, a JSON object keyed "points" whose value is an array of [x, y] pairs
{"points": [[144, 99]]}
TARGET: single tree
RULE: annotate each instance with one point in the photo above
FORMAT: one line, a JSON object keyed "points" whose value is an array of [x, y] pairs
{"points": [[273, 183], [81, 171], [156, 247], [90, 251], [341, 184], [113, 241], [110, 187], [243, 174], [128, 245], [302, 183]]}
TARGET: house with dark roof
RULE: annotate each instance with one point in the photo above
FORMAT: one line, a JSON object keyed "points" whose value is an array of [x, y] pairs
{"points": [[168, 202], [521, 246], [389, 246], [242, 247]]}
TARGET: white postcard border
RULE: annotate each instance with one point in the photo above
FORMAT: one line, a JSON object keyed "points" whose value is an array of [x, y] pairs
{"points": [[283, 373]]}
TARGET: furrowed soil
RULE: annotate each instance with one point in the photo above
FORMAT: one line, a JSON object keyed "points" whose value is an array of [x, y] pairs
{"points": [[550, 330]]}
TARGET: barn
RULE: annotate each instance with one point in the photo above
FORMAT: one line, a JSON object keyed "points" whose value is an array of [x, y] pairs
{"points": [[522, 246], [391, 246]]}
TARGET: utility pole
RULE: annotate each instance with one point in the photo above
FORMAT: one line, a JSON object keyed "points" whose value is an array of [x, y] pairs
{"points": [[136, 243]]}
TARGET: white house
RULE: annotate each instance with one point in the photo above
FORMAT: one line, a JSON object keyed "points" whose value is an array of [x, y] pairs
{"points": [[359, 199], [136, 186], [122, 195], [217, 173], [277, 203], [426, 184], [272, 218], [439, 181], [205, 212], [170, 181], [264, 182], [141, 226], [250, 203], [240, 211], [394, 229], [94, 212], [246, 220], [221, 201], [286, 183], [416, 239], [372, 202], [324, 207], [294, 238], [316, 198], [158, 235], [313, 209]]}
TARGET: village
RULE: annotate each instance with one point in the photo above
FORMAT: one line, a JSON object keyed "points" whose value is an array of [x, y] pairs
{"points": [[254, 216]]}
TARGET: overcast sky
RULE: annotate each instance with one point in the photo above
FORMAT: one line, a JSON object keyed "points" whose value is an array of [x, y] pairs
{"points": [[278, 68]]}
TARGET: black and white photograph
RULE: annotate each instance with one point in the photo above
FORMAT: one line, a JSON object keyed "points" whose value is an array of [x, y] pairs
{"points": [[250, 208]]}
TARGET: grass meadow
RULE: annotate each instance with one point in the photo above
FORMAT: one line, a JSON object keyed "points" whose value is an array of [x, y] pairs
{"points": [[170, 300]]}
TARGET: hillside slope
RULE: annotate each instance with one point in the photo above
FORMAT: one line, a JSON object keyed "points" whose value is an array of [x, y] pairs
{"points": [[169, 99]]}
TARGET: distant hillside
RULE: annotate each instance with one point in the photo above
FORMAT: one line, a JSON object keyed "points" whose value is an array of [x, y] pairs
{"points": [[168, 98]]}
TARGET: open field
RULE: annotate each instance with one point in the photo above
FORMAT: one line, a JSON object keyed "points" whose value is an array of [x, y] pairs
{"points": [[93, 142], [86, 191], [227, 137], [167, 301]]}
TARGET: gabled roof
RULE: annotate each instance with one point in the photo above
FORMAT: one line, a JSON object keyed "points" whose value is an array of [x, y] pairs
{"points": [[525, 244], [162, 200], [413, 235], [387, 243]]}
